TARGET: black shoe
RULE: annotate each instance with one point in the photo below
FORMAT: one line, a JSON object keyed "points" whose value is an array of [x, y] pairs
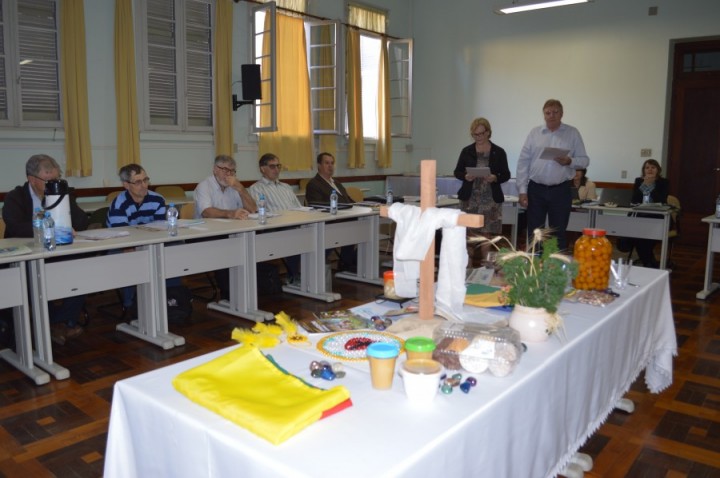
{"points": [[129, 312]]}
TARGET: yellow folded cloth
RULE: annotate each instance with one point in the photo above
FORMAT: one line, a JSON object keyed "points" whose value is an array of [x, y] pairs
{"points": [[480, 295], [251, 390]]}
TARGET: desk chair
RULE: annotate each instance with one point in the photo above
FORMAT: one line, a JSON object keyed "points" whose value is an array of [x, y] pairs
{"points": [[2, 227], [98, 218], [355, 193], [112, 195], [171, 192], [674, 231]]}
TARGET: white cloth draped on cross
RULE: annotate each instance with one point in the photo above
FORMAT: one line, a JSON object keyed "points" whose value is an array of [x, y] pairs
{"points": [[413, 236]]}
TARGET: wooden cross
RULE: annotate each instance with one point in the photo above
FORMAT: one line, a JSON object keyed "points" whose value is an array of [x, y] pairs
{"points": [[427, 266]]}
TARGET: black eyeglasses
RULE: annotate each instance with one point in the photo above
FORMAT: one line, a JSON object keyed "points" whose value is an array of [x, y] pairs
{"points": [[46, 180], [226, 170], [277, 166], [477, 135], [139, 182]]}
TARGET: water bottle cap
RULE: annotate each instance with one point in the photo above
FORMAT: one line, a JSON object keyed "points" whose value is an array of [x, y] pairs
{"points": [[172, 204]]}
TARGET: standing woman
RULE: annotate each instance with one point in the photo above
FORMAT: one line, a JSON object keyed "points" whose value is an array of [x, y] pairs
{"points": [[651, 187], [483, 195]]}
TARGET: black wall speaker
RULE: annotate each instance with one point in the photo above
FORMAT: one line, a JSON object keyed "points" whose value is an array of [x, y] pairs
{"points": [[250, 82]]}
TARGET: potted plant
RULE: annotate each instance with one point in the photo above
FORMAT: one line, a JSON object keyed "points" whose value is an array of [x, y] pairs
{"points": [[536, 282]]}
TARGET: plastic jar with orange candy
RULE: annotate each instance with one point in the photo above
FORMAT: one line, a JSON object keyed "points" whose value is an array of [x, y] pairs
{"points": [[593, 253]]}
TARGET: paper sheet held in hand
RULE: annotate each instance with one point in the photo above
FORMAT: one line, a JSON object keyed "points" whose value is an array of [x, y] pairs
{"points": [[552, 153], [478, 172]]}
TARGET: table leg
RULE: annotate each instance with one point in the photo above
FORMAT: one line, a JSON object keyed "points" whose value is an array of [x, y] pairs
{"points": [[710, 286]]}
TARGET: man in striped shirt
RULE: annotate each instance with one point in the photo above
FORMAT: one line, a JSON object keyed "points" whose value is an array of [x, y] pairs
{"points": [[137, 204], [278, 197]]}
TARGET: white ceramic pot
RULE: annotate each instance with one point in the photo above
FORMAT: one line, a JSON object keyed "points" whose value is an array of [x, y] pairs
{"points": [[530, 322]]}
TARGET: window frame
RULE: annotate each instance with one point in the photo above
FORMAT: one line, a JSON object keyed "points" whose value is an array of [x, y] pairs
{"points": [[182, 96], [407, 101], [338, 67], [267, 79], [11, 56]]}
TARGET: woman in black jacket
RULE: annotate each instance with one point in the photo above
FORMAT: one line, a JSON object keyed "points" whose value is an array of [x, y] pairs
{"points": [[650, 188], [483, 194]]}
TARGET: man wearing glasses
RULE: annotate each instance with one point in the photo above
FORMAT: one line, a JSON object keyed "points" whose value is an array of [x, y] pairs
{"points": [[17, 213], [137, 204], [278, 197], [132, 207], [221, 195]]}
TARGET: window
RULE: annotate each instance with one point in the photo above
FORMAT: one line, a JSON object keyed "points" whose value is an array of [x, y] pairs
{"points": [[176, 67], [326, 70], [29, 65]]}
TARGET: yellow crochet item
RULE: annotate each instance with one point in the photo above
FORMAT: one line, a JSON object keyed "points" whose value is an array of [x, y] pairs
{"points": [[251, 390]]}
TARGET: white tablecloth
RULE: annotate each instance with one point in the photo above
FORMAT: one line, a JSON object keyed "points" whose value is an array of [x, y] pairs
{"points": [[525, 425]]}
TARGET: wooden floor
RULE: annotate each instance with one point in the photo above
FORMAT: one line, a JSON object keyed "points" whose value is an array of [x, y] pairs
{"points": [[60, 429]]}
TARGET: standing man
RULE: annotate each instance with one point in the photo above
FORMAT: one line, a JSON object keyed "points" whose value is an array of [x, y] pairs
{"points": [[319, 188], [318, 191], [278, 197], [221, 195], [544, 185], [17, 213], [132, 207]]}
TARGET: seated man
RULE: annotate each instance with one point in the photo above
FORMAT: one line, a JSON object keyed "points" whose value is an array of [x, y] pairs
{"points": [[278, 197], [136, 205], [222, 195], [17, 213], [318, 191]]}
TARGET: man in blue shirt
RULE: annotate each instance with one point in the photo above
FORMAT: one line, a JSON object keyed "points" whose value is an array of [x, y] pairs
{"points": [[137, 204], [134, 206]]}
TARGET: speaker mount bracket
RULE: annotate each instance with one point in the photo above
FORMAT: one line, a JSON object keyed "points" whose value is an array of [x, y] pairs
{"points": [[236, 104]]}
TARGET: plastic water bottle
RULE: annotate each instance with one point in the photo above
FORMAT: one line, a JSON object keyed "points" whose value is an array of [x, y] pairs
{"points": [[389, 197], [262, 216], [333, 202], [172, 219], [717, 208], [48, 232], [37, 223]]}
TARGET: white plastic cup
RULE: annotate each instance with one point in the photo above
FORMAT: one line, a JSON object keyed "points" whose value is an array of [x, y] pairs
{"points": [[421, 379]]}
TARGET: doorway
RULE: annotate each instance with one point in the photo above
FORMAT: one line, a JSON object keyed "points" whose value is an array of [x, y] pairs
{"points": [[694, 135]]}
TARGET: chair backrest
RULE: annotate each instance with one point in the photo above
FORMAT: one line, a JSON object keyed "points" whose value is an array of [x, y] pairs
{"points": [[170, 192], [98, 218], [187, 211], [355, 193], [302, 183], [2, 227], [112, 195]]}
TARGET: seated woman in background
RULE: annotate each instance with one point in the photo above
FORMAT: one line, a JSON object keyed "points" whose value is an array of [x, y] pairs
{"points": [[585, 188], [651, 187]]}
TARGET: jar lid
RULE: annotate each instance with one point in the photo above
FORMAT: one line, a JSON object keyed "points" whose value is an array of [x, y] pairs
{"points": [[382, 350], [588, 231], [388, 275], [422, 366], [420, 344]]}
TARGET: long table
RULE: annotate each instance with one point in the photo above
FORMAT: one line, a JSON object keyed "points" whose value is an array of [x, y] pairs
{"points": [[526, 424], [13, 294], [151, 256], [713, 246]]}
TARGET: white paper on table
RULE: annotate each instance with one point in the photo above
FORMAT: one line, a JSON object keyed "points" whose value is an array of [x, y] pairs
{"points": [[101, 234], [480, 172], [552, 153]]}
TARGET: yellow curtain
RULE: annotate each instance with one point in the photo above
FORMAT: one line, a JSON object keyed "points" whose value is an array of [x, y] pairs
{"points": [[367, 18], [73, 74], [292, 142], [356, 146], [222, 55], [384, 141], [128, 132]]}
